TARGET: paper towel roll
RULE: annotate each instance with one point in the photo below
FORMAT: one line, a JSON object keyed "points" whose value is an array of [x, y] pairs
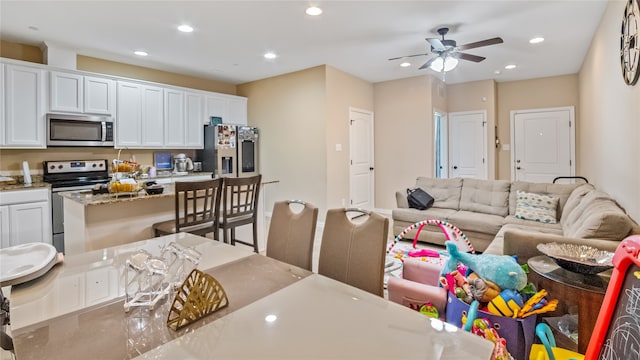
{"points": [[26, 173]]}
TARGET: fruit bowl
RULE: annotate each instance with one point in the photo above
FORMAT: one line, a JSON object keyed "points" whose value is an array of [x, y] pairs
{"points": [[582, 259]]}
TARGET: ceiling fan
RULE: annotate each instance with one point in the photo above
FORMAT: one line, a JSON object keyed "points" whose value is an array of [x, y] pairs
{"points": [[448, 51]]}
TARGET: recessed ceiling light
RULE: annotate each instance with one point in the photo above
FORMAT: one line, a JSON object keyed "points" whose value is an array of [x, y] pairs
{"points": [[510, 66], [405, 64], [536, 40], [497, 72], [270, 55], [313, 11], [185, 28], [141, 53]]}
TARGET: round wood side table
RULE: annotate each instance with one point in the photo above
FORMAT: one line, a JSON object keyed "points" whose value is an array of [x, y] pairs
{"points": [[583, 292]]}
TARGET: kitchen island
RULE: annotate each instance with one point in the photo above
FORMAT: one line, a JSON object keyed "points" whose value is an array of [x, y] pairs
{"points": [[94, 222]]}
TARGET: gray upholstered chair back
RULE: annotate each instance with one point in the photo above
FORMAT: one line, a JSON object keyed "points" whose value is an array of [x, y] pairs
{"points": [[354, 253], [291, 233]]}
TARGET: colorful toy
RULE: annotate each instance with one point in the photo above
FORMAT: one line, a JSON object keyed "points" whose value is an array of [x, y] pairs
{"points": [[537, 304], [508, 303], [481, 289], [484, 328], [451, 233], [430, 310], [502, 270]]}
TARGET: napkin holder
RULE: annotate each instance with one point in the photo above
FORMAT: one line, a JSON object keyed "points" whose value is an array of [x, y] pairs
{"points": [[200, 295]]}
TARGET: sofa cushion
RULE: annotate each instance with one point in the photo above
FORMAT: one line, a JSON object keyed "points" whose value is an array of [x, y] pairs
{"points": [[485, 196], [536, 207], [497, 245], [473, 221], [414, 215], [575, 198], [445, 192], [597, 216], [510, 219], [561, 190]]}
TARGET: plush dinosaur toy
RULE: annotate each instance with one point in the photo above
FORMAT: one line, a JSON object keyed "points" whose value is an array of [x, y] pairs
{"points": [[502, 270]]}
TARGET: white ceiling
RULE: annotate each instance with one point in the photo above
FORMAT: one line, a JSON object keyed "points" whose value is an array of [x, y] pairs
{"points": [[357, 37]]}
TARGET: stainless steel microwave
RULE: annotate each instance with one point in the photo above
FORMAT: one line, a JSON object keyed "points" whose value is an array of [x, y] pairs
{"points": [[79, 130]]}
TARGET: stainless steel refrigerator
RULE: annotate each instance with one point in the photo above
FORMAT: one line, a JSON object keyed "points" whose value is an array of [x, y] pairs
{"points": [[229, 150]]}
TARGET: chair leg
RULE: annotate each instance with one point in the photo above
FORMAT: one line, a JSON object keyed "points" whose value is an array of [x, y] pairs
{"points": [[226, 235], [233, 236], [255, 237]]}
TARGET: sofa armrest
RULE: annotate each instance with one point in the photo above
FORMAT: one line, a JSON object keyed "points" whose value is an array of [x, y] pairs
{"points": [[523, 243], [401, 199]]}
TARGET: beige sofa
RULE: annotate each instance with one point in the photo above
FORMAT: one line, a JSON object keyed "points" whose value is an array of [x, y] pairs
{"points": [[485, 211]]}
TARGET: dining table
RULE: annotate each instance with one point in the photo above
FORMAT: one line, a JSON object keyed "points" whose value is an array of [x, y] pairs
{"points": [[275, 311]]}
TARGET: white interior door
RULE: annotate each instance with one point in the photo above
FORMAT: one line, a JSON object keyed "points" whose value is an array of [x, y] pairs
{"points": [[542, 144], [361, 155], [467, 144]]}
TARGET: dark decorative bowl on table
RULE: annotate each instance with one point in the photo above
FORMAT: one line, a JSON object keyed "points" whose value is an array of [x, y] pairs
{"points": [[581, 259], [152, 188]]}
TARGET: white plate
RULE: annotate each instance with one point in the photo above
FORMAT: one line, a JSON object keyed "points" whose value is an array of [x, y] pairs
{"points": [[25, 262]]}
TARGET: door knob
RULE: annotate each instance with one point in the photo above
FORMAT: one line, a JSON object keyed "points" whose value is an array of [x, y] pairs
{"points": [[371, 168], [517, 167], [455, 167], [518, 161]]}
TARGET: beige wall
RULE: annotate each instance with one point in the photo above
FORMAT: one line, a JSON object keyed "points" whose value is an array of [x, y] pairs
{"points": [[403, 136], [477, 96], [342, 92], [91, 64], [291, 112], [22, 52], [550, 92], [609, 126]]}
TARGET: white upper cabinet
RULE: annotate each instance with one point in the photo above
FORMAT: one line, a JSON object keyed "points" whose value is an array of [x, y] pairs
{"points": [[183, 119], [129, 115], [174, 111], [76, 93], [231, 109], [2, 92], [152, 117], [24, 107], [140, 116], [195, 131], [99, 95], [238, 110], [66, 92]]}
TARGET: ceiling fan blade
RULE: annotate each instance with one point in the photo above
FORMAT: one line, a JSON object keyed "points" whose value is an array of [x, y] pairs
{"points": [[428, 63], [408, 56], [463, 56], [436, 44], [478, 44]]}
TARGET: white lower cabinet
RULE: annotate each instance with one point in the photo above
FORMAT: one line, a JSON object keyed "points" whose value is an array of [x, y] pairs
{"points": [[25, 217]]}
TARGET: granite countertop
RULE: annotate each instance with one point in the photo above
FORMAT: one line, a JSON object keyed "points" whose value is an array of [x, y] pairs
{"points": [[86, 197], [20, 186]]}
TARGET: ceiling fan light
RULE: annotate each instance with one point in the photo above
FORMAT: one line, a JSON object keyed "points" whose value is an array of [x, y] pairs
{"points": [[449, 64], [405, 64]]}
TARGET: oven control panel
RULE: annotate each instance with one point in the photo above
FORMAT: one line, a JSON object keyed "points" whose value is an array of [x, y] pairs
{"points": [[74, 166]]}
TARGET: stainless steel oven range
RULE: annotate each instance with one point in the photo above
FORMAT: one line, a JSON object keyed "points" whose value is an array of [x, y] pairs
{"points": [[70, 175]]}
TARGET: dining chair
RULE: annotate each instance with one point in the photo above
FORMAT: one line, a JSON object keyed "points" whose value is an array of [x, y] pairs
{"points": [[240, 207], [291, 233], [354, 253], [197, 209]]}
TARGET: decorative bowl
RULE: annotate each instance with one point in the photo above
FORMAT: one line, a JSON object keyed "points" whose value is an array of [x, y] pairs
{"points": [[582, 259]]}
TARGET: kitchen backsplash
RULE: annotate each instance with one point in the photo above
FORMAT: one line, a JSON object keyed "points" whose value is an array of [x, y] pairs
{"points": [[11, 159]]}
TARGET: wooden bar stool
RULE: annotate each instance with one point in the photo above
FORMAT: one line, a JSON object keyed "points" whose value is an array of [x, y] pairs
{"points": [[197, 206], [239, 207]]}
